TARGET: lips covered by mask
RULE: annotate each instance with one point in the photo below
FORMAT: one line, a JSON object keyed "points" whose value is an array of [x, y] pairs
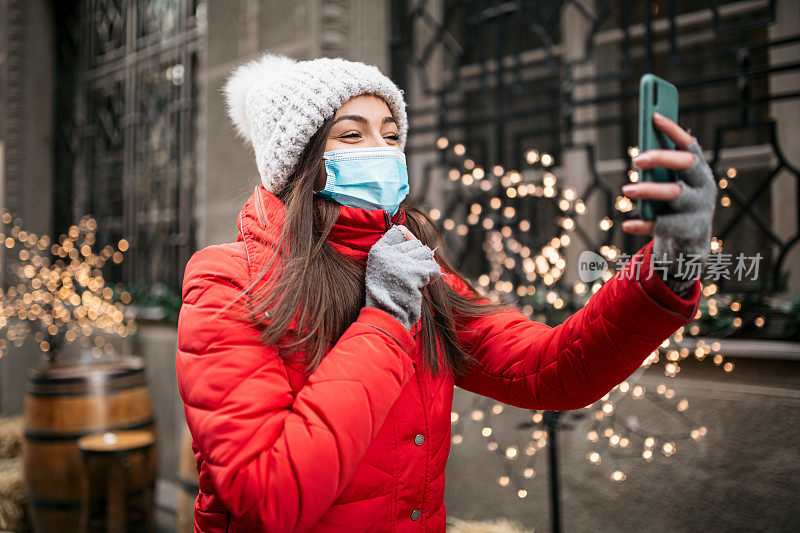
{"points": [[368, 178]]}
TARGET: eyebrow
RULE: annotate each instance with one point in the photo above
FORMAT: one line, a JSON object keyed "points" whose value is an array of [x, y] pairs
{"points": [[363, 120]]}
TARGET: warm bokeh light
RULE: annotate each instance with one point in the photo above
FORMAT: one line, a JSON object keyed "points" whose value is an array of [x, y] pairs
{"points": [[63, 300], [531, 275]]}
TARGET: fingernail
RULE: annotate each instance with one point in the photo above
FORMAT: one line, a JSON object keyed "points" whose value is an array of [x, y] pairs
{"points": [[628, 189], [657, 115], [639, 159]]}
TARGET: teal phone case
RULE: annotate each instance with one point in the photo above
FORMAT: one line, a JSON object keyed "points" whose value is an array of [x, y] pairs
{"points": [[655, 94]]}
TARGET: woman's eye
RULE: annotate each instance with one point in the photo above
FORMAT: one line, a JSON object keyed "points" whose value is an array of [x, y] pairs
{"points": [[394, 136]]}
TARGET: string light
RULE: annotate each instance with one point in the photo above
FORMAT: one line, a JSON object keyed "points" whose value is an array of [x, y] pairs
{"points": [[516, 269], [501, 252], [58, 293]]}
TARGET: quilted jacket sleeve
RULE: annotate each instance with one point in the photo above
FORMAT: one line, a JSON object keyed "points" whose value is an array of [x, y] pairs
{"points": [[276, 460], [529, 364]]}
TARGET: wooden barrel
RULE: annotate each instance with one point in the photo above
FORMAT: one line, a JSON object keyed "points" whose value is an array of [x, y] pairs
{"points": [[63, 402], [187, 472]]}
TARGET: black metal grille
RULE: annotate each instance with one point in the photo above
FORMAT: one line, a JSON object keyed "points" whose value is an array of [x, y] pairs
{"points": [[500, 77], [127, 108]]}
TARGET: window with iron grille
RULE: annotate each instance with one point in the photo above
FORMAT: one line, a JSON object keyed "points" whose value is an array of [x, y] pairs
{"points": [[126, 128], [501, 77]]}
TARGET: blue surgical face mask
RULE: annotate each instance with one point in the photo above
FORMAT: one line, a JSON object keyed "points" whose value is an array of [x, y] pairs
{"points": [[369, 178]]}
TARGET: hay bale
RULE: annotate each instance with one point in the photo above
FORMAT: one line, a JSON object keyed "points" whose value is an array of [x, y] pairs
{"points": [[13, 513], [501, 525], [13, 510], [10, 436]]}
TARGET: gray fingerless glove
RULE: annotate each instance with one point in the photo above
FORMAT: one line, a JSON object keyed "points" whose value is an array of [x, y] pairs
{"points": [[397, 270], [686, 228]]}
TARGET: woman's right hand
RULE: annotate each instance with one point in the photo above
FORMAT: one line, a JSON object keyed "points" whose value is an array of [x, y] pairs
{"points": [[397, 269]]}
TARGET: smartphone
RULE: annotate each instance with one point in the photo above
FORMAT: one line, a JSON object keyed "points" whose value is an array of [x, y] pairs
{"points": [[655, 95]]}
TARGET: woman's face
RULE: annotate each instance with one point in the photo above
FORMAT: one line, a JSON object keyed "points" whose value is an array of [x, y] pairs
{"points": [[364, 121]]}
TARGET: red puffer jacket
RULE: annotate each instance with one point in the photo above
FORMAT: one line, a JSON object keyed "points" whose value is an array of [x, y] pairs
{"points": [[362, 443]]}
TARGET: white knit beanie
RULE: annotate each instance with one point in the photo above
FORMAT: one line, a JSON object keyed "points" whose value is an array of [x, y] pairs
{"points": [[277, 104]]}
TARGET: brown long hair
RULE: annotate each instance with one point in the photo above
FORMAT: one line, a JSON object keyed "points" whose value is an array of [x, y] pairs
{"points": [[324, 289]]}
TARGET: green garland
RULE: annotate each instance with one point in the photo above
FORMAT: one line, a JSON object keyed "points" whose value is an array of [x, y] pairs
{"points": [[157, 301]]}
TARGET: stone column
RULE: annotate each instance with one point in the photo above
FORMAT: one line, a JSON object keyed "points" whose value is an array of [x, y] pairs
{"points": [[26, 135]]}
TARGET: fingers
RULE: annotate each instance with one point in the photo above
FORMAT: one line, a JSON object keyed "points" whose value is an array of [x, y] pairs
{"points": [[407, 246], [700, 174], [432, 270], [421, 271], [672, 159], [678, 135], [406, 250], [637, 227], [407, 232], [393, 235], [420, 253], [652, 191]]}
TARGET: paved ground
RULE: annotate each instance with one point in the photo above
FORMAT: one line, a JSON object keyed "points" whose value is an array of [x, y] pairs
{"points": [[744, 475], [165, 521]]}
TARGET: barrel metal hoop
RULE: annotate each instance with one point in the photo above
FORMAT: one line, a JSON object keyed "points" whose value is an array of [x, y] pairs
{"points": [[44, 436]]}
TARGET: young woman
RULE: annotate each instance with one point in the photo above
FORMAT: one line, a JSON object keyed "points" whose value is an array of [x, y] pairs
{"points": [[317, 354]]}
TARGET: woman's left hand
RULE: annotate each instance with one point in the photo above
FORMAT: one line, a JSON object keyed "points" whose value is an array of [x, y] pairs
{"points": [[686, 228]]}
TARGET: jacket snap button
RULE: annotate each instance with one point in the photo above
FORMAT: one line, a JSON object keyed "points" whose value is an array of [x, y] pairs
{"points": [[419, 439], [415, 514]]}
